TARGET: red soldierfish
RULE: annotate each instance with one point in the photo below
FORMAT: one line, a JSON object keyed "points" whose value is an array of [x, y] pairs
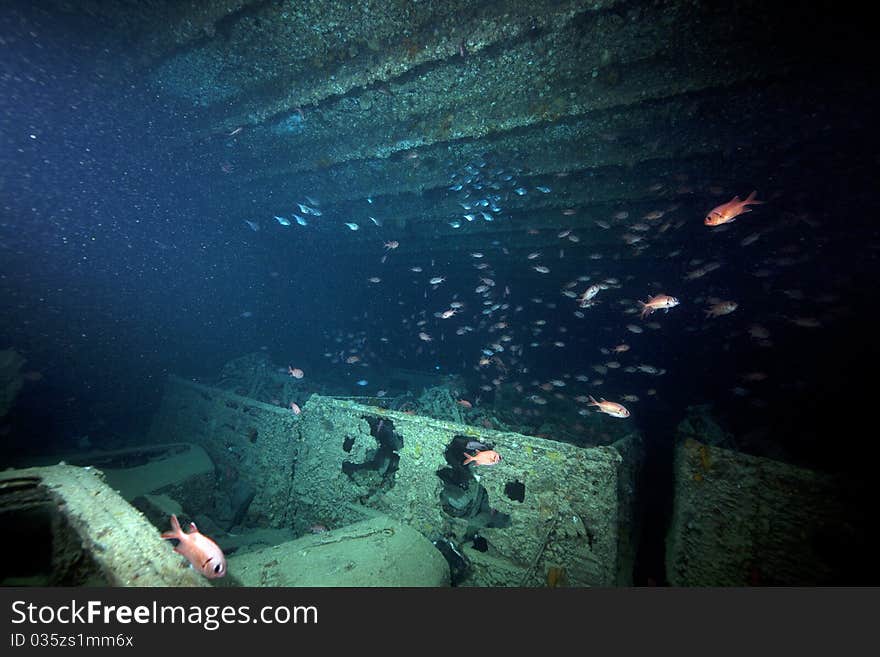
{"points": [[486, 457], [731, 210], [609, 408], [203, 553], [657, 302]]}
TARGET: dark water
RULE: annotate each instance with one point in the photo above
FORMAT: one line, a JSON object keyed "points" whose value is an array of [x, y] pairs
{"points": [[122, 263]]}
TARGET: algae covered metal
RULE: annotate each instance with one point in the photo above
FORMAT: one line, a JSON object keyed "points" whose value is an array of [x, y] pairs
{"points": [[744, 520], [250, 443], [377, 551], [546, 505], [72, 529]]}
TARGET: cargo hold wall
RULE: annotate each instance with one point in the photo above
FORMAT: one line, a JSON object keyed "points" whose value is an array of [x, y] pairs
{"points": [[548, 512]]}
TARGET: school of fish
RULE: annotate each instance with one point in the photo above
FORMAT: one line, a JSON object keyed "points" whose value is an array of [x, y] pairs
{"points": [[516, 331]]}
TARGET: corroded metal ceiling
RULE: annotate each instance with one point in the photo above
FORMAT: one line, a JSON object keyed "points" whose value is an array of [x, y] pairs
{"points": [[390, 101]]}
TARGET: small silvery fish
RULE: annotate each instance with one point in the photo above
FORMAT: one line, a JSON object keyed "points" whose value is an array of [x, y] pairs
{"points": [[300, 220], [305, 209], [282, 220], [352, 226]]}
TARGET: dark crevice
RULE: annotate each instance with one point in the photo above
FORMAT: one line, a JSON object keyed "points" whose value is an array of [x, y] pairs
{"points": [[515, 490], [462, 495], [382, 461]]}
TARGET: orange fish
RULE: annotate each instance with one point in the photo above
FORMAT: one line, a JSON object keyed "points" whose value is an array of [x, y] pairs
{"points": [[731, 210], [203, 553], [465, 403], [486, 457], [609, 408], [657, 302]]}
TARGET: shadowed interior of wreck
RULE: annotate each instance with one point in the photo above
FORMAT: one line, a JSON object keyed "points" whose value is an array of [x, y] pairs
{"points": [[156, 164]]}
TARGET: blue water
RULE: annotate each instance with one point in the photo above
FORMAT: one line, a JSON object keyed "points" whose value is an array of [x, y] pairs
{"points": [[121, 264]]}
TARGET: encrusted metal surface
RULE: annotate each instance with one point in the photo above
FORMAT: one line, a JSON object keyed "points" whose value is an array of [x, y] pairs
{"points": [[97, 538], [575, 510], [385, 100], [741, 520]]}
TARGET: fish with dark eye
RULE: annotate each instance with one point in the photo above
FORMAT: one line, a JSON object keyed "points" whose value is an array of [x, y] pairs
{"points": [[609, 408], [729, 211], [485, 457], [657, 302], [203, 553], [588, 295]]}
